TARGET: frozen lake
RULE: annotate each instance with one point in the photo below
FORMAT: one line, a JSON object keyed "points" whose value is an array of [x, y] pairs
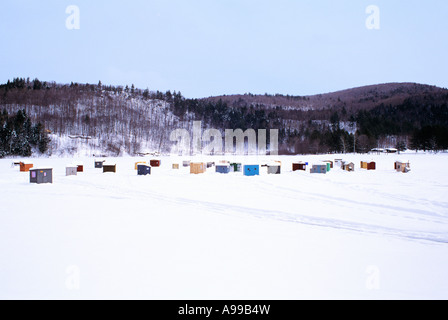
{"points": [[171, 235]]}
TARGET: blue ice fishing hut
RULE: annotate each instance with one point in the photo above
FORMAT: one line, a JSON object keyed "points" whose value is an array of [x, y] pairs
{"points": [[143, 169], [251, 170], [319, 168], [223, 168]]}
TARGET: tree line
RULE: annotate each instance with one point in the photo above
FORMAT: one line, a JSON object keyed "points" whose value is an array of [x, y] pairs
{"points": [[130, 119], [415, 124]]}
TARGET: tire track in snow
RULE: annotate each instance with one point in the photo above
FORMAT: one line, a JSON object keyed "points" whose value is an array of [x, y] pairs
{"points": [[401, 212], [231, 210], [313, 221], [127, 192]]}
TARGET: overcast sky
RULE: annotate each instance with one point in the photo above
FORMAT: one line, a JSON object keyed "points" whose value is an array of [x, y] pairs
{"points": [[213, 47]]}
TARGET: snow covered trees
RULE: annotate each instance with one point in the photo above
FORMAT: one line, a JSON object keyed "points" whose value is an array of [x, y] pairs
{"points": [[130, 120], [18, 136]]}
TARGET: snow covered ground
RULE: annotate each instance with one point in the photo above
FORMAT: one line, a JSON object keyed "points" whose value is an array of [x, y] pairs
{"points": [[361, 235]]}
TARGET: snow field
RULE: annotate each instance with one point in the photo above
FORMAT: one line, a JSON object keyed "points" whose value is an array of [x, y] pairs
{"points": [[171, 235]]}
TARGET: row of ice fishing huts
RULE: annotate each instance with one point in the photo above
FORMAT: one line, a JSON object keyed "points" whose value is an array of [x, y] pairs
{"points": [[225, 167], [275, 167], [328, 165], [45, 175]]}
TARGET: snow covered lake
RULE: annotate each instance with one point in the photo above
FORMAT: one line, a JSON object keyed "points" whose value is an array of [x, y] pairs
{"points": [[171, 235]]}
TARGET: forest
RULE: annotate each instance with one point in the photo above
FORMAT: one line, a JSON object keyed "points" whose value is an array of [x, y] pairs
{"points": [[125, 119], [19, 136], [413, 124]]}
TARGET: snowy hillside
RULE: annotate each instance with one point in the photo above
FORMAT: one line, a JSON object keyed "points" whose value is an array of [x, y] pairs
{"points": [[118, 121], [128, 121], [171, 235]]}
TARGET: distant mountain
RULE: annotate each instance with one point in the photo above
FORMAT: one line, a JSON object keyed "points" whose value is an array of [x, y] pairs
{"points": [[403, 115], [366, 97], [127, 120]]}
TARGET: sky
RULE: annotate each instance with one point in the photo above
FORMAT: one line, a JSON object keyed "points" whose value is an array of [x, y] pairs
{"points": [[213, 47]]}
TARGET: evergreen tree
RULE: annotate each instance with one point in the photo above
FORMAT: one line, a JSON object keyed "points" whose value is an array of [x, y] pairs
{"points": [[18, 136], [146, 94], [37, 85]]}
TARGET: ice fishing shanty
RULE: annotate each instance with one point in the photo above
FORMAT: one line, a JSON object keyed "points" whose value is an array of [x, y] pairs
{"points": [[143, 169], [338, 162], [186, 163], [236, 167], [210, 164], [299, 166], [404, 167], [274, 167], [319, 168], [109, 168], [41, 175], [222, 168], [25, 166], [71, 170], [155, 163], [348, 166], [138, 163], [99, 164], [368, 165], [198, 167], [330, 164], [252, 170]]}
